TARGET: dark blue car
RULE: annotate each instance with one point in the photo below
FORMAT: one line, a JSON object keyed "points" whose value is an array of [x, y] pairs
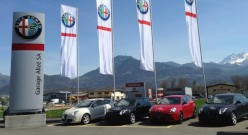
{"points": [[224, 108]]}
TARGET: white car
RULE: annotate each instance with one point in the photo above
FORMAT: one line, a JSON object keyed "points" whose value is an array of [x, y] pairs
{"points": [[87, 110]]}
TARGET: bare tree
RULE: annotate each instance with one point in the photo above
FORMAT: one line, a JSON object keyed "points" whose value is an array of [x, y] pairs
{"points": [[164, 84], [173, 82], [182, 82]]}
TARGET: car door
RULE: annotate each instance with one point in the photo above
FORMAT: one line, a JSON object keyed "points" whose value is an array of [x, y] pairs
{"points": [[186, 107], [191, 107], [107, 105], [147, 105], [245, 104], [238, 105], [97, 109], [139, 107]]}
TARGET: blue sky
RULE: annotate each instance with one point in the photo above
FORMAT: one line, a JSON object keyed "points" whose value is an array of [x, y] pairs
{"points": [[223, 29]]}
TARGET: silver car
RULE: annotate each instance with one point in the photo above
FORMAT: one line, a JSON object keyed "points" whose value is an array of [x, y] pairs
{"points": [[87, 110]]}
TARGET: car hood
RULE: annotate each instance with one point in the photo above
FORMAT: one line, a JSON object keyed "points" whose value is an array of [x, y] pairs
{"points": [[118, 109], [73, 109], [164, 108], [215, 106]]}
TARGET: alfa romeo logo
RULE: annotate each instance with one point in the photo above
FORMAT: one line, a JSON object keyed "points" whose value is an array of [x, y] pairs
{"points": [[28, 27], [142, 6], [103, 12], [68, 20], [190, 2]]}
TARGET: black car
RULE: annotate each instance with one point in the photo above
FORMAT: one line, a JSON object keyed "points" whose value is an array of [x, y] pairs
{"points": [[197, 95], [224, 108], [128, 110]]}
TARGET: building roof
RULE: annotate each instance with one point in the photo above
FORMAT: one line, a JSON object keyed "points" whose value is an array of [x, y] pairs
{"points": [[118, 90], [56, 92], [222, 84]]}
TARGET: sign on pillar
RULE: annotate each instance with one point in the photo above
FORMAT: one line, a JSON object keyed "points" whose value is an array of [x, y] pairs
{"points": [[27, 62]]}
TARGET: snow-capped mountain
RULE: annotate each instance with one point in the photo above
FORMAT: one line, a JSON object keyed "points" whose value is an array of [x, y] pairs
{"points": [[238, 59]]}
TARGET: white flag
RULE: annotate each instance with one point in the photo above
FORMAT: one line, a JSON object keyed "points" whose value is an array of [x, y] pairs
{"points": [[104, 27], [68, 41], [194, 42], [145, 30]]}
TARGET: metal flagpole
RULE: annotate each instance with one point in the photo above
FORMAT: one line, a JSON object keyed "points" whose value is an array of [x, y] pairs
{"points": [[155, 73], [203, 71], [77, 62], [113, 58]]}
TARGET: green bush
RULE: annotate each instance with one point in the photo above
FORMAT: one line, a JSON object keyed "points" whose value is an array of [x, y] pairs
{"points": [[199, 103], [54, 113]]}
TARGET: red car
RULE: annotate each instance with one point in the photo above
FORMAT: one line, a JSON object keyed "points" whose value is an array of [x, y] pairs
{"points": [[173, 108]]}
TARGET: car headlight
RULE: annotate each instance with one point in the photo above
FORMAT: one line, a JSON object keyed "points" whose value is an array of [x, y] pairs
{"points": [[124, 111], [200, 110], [222, 110], [75, 112], [172, 110]]}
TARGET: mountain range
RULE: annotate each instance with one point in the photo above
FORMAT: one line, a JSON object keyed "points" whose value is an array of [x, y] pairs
{"points": [[127, 70]]}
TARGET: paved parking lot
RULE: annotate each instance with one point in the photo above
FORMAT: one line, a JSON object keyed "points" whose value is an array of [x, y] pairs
{"points": [[143, 127]]}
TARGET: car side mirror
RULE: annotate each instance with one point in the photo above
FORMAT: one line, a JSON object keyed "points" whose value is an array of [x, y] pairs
{"points": [[94, 105], [184, 103], [138, 105], [238, 102]]}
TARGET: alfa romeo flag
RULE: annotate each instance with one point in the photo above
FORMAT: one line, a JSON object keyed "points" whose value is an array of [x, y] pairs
{"points": [[68, 41], [145, 30], [194, 41], [104, 18]]}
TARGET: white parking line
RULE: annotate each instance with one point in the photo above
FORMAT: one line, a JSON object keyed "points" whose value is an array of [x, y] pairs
{"points": [[168, 126], [124, 126]]}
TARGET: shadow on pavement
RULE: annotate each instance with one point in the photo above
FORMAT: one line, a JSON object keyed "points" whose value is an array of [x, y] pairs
{"points": [[49, 121], [217, 125], [232, 133], [147, 122]]}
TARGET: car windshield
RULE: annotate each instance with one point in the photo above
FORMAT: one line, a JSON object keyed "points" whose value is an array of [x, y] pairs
{"points": [[126, 102], [221, 99], [169, 101], [85, 103]]}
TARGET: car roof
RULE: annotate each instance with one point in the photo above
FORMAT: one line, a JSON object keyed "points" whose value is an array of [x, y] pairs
{"points": [[174, 96], [230, 94], [93, 99]]}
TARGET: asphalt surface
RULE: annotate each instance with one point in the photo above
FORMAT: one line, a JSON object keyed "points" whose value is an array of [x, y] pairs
{"points": [[142, 127]]}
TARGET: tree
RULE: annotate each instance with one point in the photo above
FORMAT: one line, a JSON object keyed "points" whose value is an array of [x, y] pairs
{"points": [[163, 84], [182, 82], [4, 101], [173, 82]]}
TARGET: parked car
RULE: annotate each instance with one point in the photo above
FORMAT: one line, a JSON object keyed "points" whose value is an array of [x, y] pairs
{"points": [[224, 108], [198, 95], [128, 110], [87, 110], [174, 108]]}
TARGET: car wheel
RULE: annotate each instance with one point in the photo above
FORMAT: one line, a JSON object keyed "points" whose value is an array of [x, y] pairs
{"points": [[180, 118], [194, 113], [85, 119], [233, 119], [132, 118]]}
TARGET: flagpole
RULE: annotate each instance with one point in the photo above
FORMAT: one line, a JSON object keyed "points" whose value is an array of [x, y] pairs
{"points": [[77, 61], [203, 70], [113, 58], [155, 73]]}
